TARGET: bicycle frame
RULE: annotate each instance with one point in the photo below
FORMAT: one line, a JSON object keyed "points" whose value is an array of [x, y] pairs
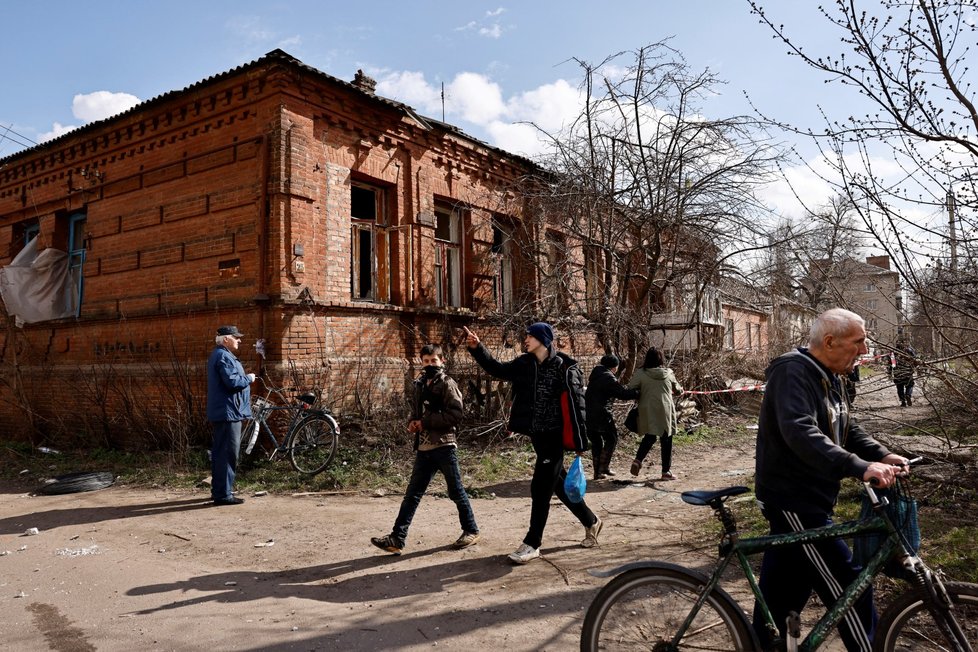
{"points": [[263, 426], [263, 407], [744, 548]]}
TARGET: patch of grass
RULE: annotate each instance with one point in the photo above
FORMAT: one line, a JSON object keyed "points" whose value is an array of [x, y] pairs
{"points": [[953, 550]]}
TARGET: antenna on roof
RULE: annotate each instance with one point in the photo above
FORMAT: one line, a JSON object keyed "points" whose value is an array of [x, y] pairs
{"points": [[443, 101]]}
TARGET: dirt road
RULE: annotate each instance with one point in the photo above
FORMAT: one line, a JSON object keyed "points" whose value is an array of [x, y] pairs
{"points": [[123, 568]]}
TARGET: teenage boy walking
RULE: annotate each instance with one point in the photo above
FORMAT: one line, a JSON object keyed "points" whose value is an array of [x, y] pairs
{"points": [[437, 410], [548, 392]]}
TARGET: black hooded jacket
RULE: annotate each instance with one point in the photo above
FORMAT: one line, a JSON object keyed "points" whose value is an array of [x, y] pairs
{"points": [[806, 441], [523, 372], [602, 390]]}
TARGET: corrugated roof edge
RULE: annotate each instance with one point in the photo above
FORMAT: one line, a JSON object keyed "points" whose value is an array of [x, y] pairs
{"points": [[275, 56]]}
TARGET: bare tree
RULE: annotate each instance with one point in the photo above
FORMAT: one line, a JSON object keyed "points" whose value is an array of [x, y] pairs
{"points": [[655, 194], [909, 159]]}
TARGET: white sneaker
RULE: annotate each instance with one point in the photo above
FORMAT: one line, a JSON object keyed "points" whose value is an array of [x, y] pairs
{"points": [[591, 534], [523, 554]]}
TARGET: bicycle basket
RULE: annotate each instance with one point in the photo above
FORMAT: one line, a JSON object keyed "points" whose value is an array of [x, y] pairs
{"points": [[902, 510]]}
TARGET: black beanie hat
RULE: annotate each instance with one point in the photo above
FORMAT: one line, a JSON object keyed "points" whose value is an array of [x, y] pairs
{"points": [[611, 361], [543, 333]]}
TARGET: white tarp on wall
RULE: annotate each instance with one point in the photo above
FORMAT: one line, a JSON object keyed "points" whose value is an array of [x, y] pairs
{"points": [[38, 286]]}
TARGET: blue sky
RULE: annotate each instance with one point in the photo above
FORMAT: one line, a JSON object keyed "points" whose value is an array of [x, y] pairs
{"points": [[68, 63]]}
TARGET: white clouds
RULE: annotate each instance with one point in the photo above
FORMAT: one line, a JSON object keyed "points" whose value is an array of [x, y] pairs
{"points": [[57, 130], [493, 31], [90, 107], [252, 30], [101, 104], [489, 27], [475, 99], [411, 88], [550, 106]]}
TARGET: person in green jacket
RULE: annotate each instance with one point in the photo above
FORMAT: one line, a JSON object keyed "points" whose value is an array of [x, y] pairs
{"points": [[656, 410]]}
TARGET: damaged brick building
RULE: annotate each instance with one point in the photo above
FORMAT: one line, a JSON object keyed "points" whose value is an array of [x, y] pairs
{"points": [[341, 229]]}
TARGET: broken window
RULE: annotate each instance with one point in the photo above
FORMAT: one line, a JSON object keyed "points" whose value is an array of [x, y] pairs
{"points": [[448, 255], [502, 250], [47, 284], [76, 257], [558, 261], [728, 334], [31, 231], [369, 251], [594, 277]]}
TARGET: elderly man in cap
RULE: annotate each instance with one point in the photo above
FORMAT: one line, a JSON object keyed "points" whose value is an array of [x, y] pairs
{"points": [[540, 377], [228, 404]]}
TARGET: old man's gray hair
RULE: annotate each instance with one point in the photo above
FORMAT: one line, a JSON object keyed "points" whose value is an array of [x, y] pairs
{"points": [[836, 322]]}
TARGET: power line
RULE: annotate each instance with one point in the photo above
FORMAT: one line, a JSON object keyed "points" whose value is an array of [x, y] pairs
{"points": [[5, 135]]}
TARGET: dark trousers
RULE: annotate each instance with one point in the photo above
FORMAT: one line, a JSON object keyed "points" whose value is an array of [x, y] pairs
{"points": [[604, 441], [648, 441], [548, 478], [789, 574], [904, 391], [426, 464], [224, 458]]}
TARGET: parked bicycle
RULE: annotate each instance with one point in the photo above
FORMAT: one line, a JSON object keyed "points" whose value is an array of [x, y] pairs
{"points": [[654, 605], [310, 439]]}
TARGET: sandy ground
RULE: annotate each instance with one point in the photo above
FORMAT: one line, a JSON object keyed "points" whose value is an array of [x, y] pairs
{"points": [[124, 568]]}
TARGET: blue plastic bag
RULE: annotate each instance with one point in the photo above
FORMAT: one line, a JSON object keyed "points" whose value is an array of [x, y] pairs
{"points": [[575, 484]]}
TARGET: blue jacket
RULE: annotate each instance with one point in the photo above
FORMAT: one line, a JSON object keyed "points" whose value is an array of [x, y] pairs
{"points": [[228, 388], [806, 440]]}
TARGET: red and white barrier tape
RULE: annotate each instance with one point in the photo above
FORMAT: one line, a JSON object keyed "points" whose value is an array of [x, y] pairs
{"points": [[746, 388]]}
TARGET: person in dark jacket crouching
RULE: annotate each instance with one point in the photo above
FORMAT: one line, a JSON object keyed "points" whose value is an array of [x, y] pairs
{"points": [[806, 444], [602, 390], [548, 405], [228, 404]]}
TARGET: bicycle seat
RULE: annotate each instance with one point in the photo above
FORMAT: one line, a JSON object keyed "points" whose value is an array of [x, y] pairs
{"points": [[708, 497], [308, 397]]}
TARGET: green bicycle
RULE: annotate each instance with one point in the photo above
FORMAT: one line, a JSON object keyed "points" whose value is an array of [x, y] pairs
{"points": [[658, 606]]}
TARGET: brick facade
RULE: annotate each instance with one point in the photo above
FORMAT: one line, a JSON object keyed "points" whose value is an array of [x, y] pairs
{"points": [[230, 201]]}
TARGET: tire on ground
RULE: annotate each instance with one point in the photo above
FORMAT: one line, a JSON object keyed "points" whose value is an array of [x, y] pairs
{"points": [[73, 483]]}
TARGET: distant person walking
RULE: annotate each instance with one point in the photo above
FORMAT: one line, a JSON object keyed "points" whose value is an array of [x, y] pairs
{"points": [[602, 390], [902, 367], [548, 392], [656, 410], [228, 404], [437, 410]]}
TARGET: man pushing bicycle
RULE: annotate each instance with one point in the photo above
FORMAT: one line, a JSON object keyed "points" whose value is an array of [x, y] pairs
{"points": [[806, 444]]}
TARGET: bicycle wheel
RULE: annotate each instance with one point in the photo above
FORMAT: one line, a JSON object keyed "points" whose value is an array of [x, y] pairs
{"points": [[907, 624], [643, 608], [312, 444]]}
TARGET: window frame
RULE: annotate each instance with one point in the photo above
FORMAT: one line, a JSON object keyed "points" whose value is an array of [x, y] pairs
{"points": [[75, 247], [370, 238], [31, 231], [503, 273], [449, 263]]}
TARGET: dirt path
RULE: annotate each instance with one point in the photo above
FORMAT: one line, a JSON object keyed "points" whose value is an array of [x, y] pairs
{"points": [[122, 568]]}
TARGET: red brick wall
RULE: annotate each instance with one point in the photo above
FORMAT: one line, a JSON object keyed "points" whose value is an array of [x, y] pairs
{"points": [[195, 202]]}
